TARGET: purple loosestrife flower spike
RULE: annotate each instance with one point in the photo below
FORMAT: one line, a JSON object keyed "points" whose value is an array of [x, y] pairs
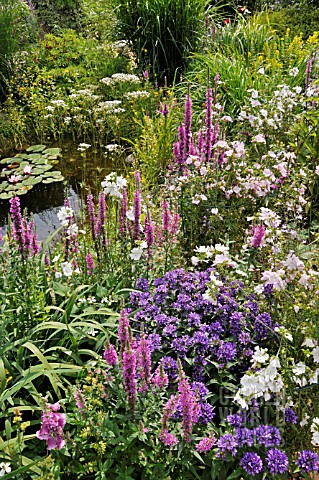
{"points": [[109, 354], [188, 404], [91, 212], [168, 438], [129, 375], [188, 125], [101, 216], [206, 444], [149, 233], [123, 211], [35, 244], [79, 399], [258, 236], [89, 264], [123, 330], [308, 72], [137, 206], [144, 361], [52, 426], [209, 125], [160, 377], [166, 216], [17, 222], [168, 411]]}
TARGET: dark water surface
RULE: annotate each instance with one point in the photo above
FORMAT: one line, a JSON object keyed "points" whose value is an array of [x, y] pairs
{"points": [[83, 174]]}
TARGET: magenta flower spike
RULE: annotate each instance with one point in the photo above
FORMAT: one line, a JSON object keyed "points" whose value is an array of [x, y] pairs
{"points": [[129, 375], [123, 211], [137, 206], [52, 426], [89, 264]]}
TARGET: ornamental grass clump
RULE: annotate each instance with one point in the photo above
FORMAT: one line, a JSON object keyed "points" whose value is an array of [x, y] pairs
{"points": [[162, 33]]}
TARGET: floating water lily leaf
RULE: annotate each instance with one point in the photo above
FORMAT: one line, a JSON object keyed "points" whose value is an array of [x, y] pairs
{"points": [[6, 161], [52, 151], [30, 181], [36, 148], [6, 195], [34, 156], [38, 160], [22, 192], [49, 180]]}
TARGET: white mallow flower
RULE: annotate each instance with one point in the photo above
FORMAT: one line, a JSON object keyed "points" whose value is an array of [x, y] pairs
{"points": [[136, 253], [130, 214], [315, 431], [315, 354], [259, 289], [195, 260], [292, 262], [64, 215], [143, 245], [73, 230], [274, 278], [221, 248], [299, 369], [67, 269], [308, 342], [111, 189], [260, 356], [121, 181]]}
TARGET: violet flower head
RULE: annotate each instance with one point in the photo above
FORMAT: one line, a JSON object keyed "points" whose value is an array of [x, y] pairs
{"points": [[308, 461], [227, 444], [277, 461], [291, 416], [251, 463], [52, 426]]}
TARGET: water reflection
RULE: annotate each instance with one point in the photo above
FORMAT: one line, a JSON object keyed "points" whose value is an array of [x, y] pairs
{"points": [[44, 201]]}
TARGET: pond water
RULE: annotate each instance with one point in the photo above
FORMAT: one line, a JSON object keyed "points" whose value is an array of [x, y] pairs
{"points": [[82, 173]]}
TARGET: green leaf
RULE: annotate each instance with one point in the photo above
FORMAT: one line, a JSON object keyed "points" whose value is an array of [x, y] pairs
{"points": [[36, 148]]}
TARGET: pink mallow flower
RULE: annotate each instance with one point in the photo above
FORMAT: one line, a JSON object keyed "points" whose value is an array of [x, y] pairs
{"points": [[52, 426]]}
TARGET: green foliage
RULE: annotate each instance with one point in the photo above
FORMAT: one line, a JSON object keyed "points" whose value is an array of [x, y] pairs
{"points": [[57, 14], [16, 24], [299, 19], [162, 33]]}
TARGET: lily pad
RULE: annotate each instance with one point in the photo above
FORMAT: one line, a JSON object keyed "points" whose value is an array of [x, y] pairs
{"points": [[52, 151], [49, 180], [6, 195], [36, 148], [40, 159]]}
